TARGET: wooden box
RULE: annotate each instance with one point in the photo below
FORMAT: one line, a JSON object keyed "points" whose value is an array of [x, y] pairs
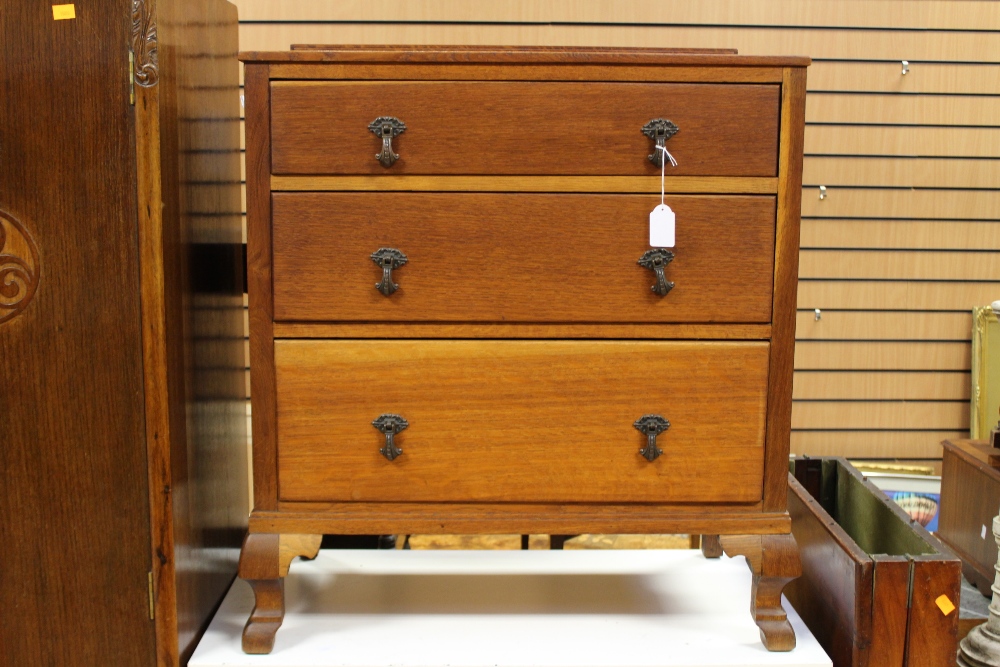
{"points": [[970, 498], [876, 588]]}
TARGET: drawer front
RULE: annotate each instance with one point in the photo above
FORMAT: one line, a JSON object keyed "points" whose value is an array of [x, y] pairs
{"points": [[523, 127], [519, 258], [531, 421]]}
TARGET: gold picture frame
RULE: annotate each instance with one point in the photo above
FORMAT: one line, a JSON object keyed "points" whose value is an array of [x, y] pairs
{"points": [[985, 372]]}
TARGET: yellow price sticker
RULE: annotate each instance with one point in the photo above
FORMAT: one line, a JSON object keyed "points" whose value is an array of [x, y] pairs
{"points": [[945, 604], [63, 12]]}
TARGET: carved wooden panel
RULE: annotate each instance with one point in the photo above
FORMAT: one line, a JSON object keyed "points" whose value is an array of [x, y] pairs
{"points": [[147, 71], [20, 268]]}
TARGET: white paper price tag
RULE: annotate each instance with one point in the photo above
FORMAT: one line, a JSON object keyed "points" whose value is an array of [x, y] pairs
{"points": [[661, 227]]}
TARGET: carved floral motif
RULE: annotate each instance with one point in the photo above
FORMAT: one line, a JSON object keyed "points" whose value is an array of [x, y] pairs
{"points": [[147, 71], [19, 267]]}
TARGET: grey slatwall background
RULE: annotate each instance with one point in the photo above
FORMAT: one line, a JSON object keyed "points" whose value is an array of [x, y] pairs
{"points": [[907, 240]]}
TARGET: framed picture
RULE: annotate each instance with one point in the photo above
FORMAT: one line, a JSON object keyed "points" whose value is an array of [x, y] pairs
{"points": [[985, 372], [918, 495]]}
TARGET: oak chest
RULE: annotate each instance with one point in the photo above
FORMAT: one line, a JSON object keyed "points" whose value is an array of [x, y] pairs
{"points": [[458, 323]]}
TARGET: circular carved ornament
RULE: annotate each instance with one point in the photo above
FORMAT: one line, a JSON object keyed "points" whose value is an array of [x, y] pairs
{"points": [[20, 269]]}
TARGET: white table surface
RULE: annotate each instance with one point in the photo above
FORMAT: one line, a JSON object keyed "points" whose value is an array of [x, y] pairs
{"points": [[604, 608]]}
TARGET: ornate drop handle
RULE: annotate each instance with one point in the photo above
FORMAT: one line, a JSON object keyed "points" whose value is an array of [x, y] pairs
{"points": [[388, 259], [652, 426], [387, 127], [657, 260], [659, 130], [389, 425]]}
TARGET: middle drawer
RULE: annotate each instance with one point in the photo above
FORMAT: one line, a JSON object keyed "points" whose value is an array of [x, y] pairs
{"points": [[519, 258]]}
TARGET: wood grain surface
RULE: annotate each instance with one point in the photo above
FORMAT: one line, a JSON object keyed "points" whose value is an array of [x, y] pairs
{"points": [[414, 51], [363, 518], [932, 634], [889, 619], [527, 421], [541, 331], [786, 259], [774, 561], [259, 279], [525, 257], [970, 495], [742, 185], [74, 520], [463, 71], [192, 275], [550, 128]]}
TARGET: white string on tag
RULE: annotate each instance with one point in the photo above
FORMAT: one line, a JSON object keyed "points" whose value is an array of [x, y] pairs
{"points": [[662, 219], [663, 166]]}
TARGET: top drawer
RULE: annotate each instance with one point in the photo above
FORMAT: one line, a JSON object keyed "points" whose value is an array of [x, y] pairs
{"points": [[555, 128]]}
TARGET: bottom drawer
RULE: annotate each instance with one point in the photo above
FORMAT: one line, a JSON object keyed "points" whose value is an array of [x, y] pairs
{"points": [[530, 421]]}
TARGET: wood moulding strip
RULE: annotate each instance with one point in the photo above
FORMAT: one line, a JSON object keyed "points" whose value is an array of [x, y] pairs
{"points": [[786, 269], [292, 73], [378, 518], [638, 184], [259, 279], [521, 330], [363, 51]]}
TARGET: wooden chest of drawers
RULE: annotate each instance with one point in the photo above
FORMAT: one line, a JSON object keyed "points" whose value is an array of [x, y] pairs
{"points": [[457, 323]]}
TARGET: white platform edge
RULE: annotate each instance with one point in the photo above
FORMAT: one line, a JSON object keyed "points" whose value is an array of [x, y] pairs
{"points": [[652, 608]]}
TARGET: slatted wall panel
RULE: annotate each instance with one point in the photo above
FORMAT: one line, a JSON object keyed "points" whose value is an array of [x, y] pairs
{"points": [[907, 239]]}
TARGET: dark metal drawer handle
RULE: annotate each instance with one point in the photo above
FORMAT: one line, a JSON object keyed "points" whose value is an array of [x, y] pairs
{"points": [[657, 260], [388, 259], [652, 426], [387, 128], [659, 130], [390, 425]]}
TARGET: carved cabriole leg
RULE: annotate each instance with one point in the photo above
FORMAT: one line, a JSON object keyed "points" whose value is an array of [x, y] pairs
{"points": [[774, 561], [264, 562], [711, 547]]}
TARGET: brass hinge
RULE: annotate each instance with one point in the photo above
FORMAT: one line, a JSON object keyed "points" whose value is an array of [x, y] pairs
{"points": [[131, 92], [152, 607]]}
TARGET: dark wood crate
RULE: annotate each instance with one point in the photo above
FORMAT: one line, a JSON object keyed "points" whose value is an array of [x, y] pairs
{"points": [[873, 581], [970, 498]]}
